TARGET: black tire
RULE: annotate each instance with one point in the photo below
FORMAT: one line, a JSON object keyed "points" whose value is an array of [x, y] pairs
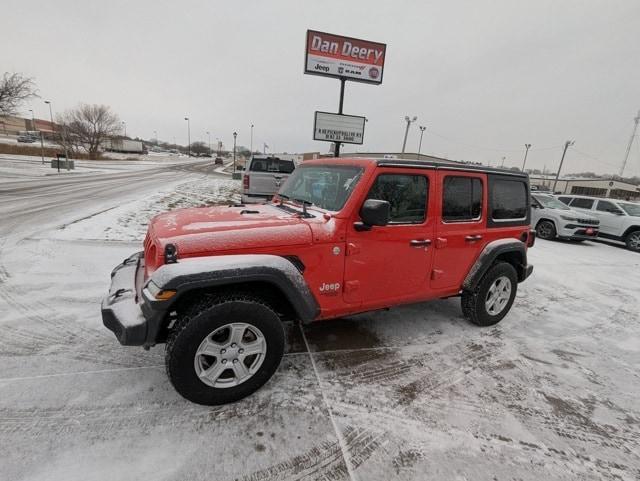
{"points": [[474, 302], [546, 230], [198, 322], [633, 241]]}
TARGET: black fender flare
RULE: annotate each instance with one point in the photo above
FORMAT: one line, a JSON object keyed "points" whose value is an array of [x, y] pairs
{"points": [[488, 256], [226, 270]]}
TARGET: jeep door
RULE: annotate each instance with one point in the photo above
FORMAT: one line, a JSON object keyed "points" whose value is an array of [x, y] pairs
{"points": [[460, 231], [389, 264]]}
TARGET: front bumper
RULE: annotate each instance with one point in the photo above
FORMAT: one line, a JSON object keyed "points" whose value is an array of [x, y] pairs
{"points": [[578, 232], [121, 308]]}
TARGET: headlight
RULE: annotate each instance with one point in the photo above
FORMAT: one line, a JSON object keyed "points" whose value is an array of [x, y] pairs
{"points": [[569, 218]]}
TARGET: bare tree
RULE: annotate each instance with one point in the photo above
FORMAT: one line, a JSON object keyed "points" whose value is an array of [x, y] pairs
{"points": [[15, 89], [87, 126]]}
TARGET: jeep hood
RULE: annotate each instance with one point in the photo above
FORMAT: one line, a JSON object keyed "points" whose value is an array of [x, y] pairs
{"points": [[206, 230]]}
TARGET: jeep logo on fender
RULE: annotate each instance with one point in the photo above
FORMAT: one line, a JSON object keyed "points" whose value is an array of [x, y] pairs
{"points": [[328, 289]]}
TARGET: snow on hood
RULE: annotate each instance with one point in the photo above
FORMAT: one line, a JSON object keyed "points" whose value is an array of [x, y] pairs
{"points": [[205, 229]]}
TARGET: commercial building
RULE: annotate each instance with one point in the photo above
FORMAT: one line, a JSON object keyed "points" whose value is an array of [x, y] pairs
{"points": [[593, 187]]}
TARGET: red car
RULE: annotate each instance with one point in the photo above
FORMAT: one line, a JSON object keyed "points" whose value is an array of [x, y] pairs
{"points": [[342, 236]]}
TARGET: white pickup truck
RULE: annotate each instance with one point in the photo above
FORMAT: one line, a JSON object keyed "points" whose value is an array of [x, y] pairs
{"points": [[264, 176]]}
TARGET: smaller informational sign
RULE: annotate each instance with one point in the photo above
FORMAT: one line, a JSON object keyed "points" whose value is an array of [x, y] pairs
{"points": [[344, 57], [348, 129]]}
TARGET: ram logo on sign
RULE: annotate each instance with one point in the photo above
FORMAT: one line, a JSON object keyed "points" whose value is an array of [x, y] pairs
{"points": [[348, 129], [344, 57]]}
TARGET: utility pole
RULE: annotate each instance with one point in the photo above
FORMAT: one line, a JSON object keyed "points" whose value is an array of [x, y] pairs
{"points": [[422, 129], [527, 147], [155, 133], [406, 132], [633, 136], [188, 136], [124, 125], [567, 144], [502, 163], [209, 134], [251, 148]]}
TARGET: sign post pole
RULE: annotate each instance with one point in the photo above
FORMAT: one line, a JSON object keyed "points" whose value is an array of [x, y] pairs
{"points": [[336, 150]]}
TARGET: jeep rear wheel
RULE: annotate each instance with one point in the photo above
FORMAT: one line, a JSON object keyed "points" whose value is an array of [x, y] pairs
{"points": [[633, 241], [546, 230], [224, 349], [492, 299]]}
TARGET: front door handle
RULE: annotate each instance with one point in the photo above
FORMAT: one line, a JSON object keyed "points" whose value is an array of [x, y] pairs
{"points": [[420, 243], [472, 238]]}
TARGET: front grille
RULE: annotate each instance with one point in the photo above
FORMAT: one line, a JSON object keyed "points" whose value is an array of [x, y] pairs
{"points": [[589, 221]]}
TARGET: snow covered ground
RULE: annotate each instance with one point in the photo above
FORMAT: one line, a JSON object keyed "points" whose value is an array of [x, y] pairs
{"points": [[414, 393]]}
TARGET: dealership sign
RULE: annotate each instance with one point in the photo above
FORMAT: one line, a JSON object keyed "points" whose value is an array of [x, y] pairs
{"points": [[348, 129], [344, 57]]}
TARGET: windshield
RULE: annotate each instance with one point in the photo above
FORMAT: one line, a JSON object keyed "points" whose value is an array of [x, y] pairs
{"points": [[550, 202], [325, 186], [631, 209]]}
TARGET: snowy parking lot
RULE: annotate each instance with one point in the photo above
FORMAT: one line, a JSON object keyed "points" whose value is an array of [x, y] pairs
{"points": [[412, 393]]}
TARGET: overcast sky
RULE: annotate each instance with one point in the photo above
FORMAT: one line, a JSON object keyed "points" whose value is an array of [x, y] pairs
{"points": [[485, 77]]}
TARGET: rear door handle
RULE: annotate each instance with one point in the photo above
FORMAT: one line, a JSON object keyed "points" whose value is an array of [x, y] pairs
{"points": [[472, 238], [420, 243]]}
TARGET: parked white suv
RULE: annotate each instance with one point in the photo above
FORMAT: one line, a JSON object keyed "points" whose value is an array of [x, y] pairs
{"points": [[551, 218], [264, 176], [619, 220]]}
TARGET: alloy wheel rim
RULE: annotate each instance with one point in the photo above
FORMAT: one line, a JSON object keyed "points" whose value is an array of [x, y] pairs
{"points": [[498, 295], [544, 230], [230, 355], [634, 241]]}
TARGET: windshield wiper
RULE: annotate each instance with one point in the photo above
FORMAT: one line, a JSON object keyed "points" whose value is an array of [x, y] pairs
{"points": [[304, 203]]}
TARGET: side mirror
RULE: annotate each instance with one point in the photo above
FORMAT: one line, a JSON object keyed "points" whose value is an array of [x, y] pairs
{"points": [[535, 206], [373, 212]]}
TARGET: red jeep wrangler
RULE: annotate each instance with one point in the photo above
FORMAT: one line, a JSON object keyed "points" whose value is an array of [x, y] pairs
{"points": [[342, 236]]}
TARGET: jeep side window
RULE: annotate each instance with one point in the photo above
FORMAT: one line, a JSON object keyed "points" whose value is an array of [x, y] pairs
{"points": [[582, 203], [606, 206], [407, 195], [508, 200], [566, 200], [461, 198]]}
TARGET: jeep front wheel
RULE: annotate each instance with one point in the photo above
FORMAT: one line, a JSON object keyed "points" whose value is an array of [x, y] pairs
{"points": [[491, 300], [224, 350], [546, 230], [633, 241]]}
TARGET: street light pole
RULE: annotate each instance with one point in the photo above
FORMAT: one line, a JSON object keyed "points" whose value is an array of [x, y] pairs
{"points": [[567, 144], [235, 134], [124, 126], [188, 136], [422, 129], [406, 132], [155, 133], [209, 134], [527, 147], [251, 140], [33, 121]]}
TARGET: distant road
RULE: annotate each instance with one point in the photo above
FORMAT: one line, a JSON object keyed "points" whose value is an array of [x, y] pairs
{"points": [[36, 202]]}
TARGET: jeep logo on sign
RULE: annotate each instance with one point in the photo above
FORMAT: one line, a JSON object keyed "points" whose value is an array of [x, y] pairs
{"points": [[323, 68], [330, 288]]}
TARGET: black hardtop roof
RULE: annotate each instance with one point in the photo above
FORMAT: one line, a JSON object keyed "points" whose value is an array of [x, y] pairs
{"points": [[428, 164]]}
